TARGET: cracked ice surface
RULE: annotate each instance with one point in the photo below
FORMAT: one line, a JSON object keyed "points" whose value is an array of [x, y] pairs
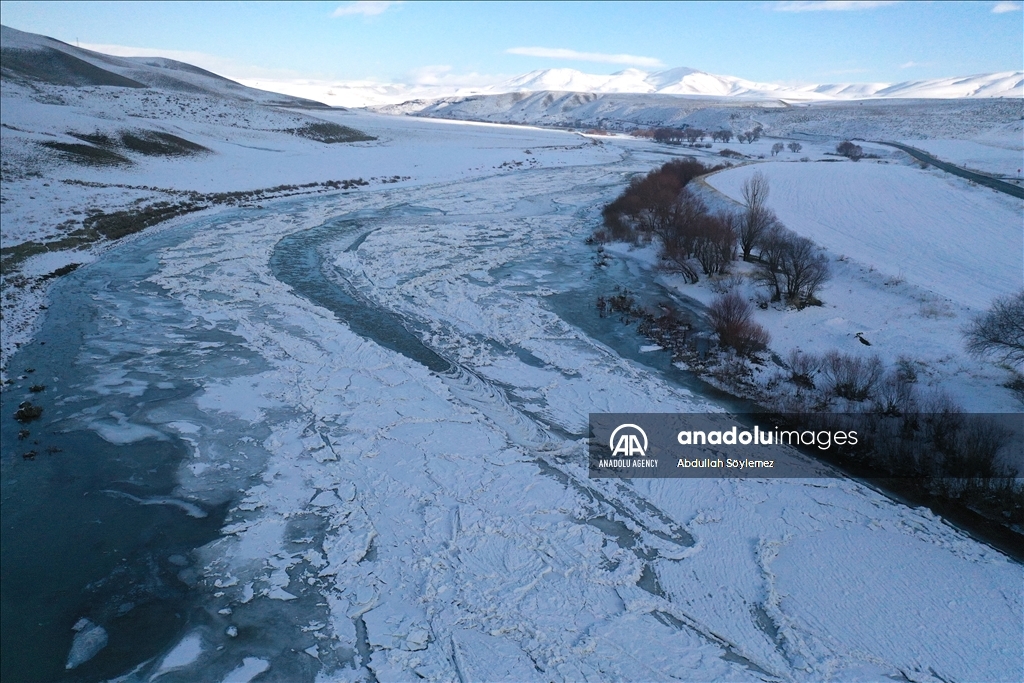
{"points": [[395, 522]]}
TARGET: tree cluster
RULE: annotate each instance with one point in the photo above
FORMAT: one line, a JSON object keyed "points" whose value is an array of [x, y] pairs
{"points": [[791, 267], [660, 206], [751, 135], [849, 150], [676, 136], [924, 444]]}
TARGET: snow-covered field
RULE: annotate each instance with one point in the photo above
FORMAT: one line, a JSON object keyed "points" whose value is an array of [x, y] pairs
{"points": [[930, 229], [416, 505], [915, 255]]}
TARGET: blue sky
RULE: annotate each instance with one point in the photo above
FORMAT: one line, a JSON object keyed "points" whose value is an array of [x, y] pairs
{"points": [[476, 43]]}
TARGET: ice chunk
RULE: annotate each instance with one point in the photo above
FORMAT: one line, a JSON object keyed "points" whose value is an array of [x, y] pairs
{"points": [[250, 668], [183, 654], [90, 639]]}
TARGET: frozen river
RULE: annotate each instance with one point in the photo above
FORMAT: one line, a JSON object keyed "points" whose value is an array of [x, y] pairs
{"points": [[342, 439]]}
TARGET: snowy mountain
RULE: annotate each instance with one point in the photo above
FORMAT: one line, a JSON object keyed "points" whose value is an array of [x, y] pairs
{"points": [[686, 81], [680, 81]]}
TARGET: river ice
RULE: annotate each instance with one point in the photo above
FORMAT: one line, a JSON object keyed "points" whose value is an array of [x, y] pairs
{"points": [[392, 519]]}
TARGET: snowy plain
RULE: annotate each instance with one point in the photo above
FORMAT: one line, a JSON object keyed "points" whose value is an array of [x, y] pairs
{"points": [[392, 521], [915, 253]]}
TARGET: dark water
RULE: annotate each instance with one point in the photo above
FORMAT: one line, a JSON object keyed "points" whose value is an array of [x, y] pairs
{"points": [[299, 261], [67, 549]]}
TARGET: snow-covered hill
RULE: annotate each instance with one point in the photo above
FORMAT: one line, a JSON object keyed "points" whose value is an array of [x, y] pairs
{"points": [[32, 58], [881, 119]]}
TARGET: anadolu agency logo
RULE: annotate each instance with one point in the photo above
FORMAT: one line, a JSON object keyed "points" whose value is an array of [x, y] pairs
{"points": [[626, 441]]}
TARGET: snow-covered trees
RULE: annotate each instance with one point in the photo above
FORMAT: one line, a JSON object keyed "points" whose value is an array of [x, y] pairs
{"points": [[795, 147], [777, 147]]}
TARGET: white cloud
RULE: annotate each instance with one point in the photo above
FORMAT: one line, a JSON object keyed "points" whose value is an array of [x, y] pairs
{"points": [[559, 53], [368, 8], [912, 64], [441, 75], [830, 5], [1004, 7]]}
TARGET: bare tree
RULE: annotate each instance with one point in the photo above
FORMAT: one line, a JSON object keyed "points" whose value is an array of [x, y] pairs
{"points": [[804, 270], [714, 242], [795, 147], [758, 217], [679, 232], [771, 243], [777, 147], [790, 266], [1000, 331], [755, 190], [730, 316]]}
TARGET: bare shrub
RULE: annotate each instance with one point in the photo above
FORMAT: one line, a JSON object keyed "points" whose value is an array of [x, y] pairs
{"points": [[725, 284], [895, 394], [648, 206], [906, 369], [803, 367], [999, 332], [795, 147], [731, 319], [851, 377]]}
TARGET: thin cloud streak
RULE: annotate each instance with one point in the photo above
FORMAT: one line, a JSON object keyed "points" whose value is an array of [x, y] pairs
{"points": [[1004, 7], [366, 8], [604, 58], [831, 5], [912, 64]]}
